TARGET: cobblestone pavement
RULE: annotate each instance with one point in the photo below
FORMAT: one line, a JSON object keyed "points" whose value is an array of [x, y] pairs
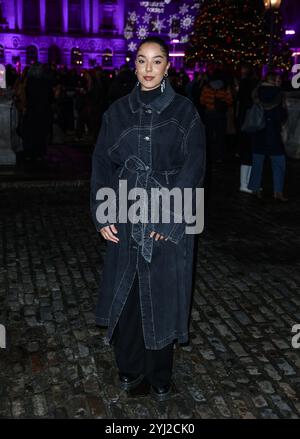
{"points": [[239, 363]]}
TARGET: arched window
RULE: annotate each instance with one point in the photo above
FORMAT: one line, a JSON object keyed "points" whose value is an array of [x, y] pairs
{"points": [[53, 15], [76, 57], [54, 55], [2, 54], [107, 58], [31, 54], [75, 15], [31, 14]]}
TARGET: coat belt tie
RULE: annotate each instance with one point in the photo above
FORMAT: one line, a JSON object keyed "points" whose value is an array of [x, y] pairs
{"points": [[140, 232]]}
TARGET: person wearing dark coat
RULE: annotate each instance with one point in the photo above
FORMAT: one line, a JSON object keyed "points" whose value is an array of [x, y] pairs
{"points": [[268, 142], [37, 120], [150, 138]]}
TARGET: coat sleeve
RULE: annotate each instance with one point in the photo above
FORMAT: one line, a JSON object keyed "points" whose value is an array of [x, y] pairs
{"points": [[190, 176], [102, 170]]}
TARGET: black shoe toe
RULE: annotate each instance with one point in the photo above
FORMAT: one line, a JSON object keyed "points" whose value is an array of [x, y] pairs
{"points": [[129, 381], [162, 393]]}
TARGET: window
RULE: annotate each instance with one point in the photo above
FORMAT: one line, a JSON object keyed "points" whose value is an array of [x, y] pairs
{"points": [[31, 54], [76, 57], [54, 55], [75, 15], [53, 15], [108, 20], [107, 58], [31, 14]]}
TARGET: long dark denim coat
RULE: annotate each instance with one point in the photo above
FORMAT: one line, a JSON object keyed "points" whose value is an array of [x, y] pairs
{"points": [[161, 144]]}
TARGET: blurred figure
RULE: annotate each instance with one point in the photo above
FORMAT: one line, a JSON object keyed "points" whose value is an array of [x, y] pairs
{"points": [[216, 98], [88, 106], [247, 84], [192, 86], [37, 120], [269, 140], [122, 84]]}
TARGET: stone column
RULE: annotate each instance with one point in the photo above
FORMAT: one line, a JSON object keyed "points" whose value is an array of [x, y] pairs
{"points": [[65, 14], [43, 15], [120, 17], [20, 14], [95, 16], [86, 16]]}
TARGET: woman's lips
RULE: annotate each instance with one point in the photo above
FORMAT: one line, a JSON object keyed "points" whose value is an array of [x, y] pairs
{"points": [[148, 78]]}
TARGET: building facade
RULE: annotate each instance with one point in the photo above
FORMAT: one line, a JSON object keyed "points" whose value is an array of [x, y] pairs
{"points": [[68, 32], [87, 33]]}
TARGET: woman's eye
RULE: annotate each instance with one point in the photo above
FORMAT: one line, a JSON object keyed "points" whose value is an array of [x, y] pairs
{"points": [[157, 62], [141, 61]]}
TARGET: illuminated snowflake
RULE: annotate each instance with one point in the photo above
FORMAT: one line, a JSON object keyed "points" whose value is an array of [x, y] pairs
{"points": [[184, 39], [132, 46], [158, 24], [132, 16], [184, 9], [187, 21], [196, 5], [142, 32], [128, 34], [147, 18]]}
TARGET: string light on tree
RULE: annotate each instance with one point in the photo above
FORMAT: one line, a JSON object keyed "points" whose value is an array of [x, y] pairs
{"points": [[228, 32]]}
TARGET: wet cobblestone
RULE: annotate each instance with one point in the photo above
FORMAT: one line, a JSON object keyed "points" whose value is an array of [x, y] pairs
{"points": [[239, 362]]}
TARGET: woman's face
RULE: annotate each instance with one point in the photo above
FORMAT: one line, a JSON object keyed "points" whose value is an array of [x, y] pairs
{"points": [[151, 65]]}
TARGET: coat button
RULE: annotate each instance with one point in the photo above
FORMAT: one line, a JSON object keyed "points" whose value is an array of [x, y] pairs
{"points": [[147, 167], [147, 138], [149, 111]]}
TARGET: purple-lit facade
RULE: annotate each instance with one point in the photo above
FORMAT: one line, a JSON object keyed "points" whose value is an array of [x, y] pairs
{"points": [[87, 33], [49, 30]]}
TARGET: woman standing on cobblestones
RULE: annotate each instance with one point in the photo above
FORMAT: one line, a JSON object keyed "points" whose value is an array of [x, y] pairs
{"points": [[150, 138]]}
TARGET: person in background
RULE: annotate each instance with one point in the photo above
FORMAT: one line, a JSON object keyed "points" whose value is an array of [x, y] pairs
{"points": [[216, 98], [247, 84], [269, 140], [37, 120]]}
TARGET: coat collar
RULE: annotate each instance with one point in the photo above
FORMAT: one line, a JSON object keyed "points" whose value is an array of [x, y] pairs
{"points": [[158, 104]]}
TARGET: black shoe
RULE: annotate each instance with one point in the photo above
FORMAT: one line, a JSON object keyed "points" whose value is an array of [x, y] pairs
{"points": [[142, 389], [128, 381], [161, 393]]}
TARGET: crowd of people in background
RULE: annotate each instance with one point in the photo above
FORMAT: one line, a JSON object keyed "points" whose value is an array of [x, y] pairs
{"points": [[47, 96]]}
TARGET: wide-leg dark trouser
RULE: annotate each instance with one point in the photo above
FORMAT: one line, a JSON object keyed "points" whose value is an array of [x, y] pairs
{"points": [[128, 341]]}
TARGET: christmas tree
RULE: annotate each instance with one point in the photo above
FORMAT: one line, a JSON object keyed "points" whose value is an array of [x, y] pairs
{"points": [[231, 32], [279, 53]]}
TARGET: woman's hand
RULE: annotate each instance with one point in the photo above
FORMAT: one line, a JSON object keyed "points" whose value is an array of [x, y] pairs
{"points": [[157, 236], [108, 233]]}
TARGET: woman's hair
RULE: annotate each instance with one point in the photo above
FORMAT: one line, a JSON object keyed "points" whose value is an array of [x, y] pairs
{"points": [[163, 45]]}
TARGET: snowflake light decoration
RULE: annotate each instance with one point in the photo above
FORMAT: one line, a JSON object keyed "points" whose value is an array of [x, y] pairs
{"points": [[128, 32], [132, 16], [142, 32], [158, 24], [132, 47], [147, 17], [184, 9], [161, 17], [187, 21]]}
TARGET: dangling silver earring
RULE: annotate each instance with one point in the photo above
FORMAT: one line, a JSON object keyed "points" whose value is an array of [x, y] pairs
{"points": [[163, 83], [138, 82]]}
